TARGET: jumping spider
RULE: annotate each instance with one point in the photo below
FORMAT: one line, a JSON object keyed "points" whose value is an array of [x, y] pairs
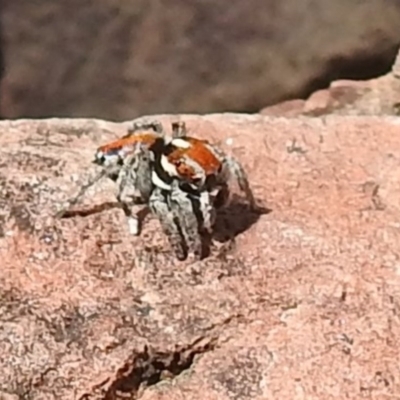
{"points": [[183, 180]]}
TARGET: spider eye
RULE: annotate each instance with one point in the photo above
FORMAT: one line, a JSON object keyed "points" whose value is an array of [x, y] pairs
{"points": [[105, 158], [99, 158]]}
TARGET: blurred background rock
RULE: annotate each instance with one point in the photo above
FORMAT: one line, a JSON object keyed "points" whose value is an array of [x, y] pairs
{"points": [[118, 59]]}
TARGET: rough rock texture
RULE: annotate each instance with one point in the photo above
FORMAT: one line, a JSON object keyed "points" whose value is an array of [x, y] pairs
{"points": [[121, 59], [380, 96], [304, 305]]}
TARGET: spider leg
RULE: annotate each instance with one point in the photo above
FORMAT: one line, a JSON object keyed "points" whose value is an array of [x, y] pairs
{"points": [[83, 189], [221, 195], [146, 124], [234, 168], [136, 174], [159, 205], [187, 209], [179, 129], [135, 187], [132, 204], [207, 210]]}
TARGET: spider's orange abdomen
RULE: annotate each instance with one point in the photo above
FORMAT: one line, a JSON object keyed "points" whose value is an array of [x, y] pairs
{"points": [[198, 152]]}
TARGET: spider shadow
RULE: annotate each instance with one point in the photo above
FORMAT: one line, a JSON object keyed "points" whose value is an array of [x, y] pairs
{"points": [[231, 221]]}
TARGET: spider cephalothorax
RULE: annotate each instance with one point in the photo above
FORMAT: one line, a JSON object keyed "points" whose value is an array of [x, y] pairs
{"points": [[119, 154]]}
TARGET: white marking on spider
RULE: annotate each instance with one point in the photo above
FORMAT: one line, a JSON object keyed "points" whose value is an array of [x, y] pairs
{"points": [[133, 226], [178, 142], [157, 181], [168, 167]]}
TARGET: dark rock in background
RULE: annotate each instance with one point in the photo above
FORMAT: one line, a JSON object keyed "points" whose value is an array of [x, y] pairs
{"points": [[117, 60]]}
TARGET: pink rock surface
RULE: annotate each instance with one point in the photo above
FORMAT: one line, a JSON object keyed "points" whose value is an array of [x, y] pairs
{"points": [[303, 306]]}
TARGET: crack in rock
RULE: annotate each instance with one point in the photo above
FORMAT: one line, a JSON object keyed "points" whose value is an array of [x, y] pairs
{"points": [[151, 366]]}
